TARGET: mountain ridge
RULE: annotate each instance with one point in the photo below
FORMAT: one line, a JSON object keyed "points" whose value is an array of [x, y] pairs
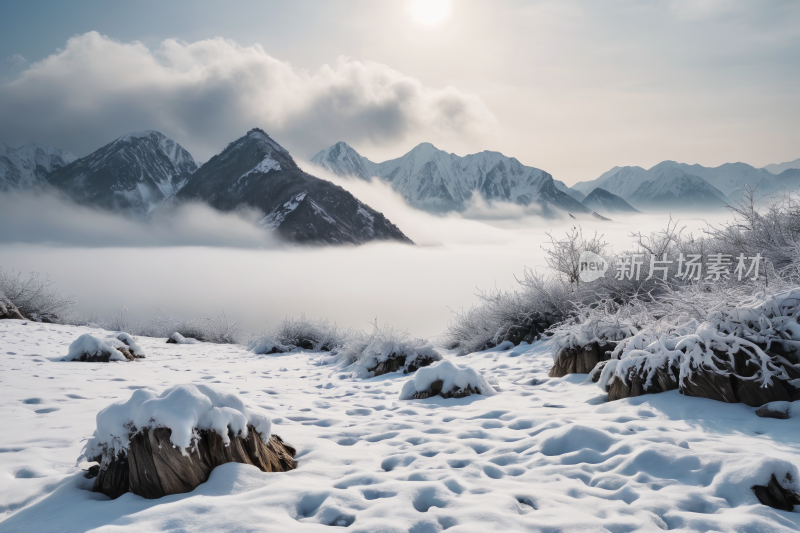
{"points": [[437, 181]]}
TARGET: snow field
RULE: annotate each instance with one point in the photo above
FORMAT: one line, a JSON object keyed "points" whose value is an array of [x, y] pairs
{"points": [[541, 455]]}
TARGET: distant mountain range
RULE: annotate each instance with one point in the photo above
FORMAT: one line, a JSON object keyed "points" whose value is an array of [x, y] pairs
{"points": [[672, 186], [140, 171], [437, 181]]}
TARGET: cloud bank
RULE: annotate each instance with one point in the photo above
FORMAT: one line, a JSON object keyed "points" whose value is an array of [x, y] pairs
{"points": [[45, 218], [210, 92]]}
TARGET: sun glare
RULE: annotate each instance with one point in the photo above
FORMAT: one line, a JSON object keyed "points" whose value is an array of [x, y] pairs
{"points": [[429, 12]]}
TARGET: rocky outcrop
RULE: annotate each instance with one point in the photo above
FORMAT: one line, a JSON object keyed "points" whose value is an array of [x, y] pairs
{"points": [[776, 496], [153, 467], [580, 360]]}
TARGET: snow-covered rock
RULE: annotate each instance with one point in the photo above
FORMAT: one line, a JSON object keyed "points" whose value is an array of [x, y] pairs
{"points": [[446, 379], [177, 338], [128, 340], [95, 350]]}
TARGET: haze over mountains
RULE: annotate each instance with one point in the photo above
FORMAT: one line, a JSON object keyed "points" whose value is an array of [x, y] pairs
{"points": [[140, 171], [437, 181], [681, 187]]}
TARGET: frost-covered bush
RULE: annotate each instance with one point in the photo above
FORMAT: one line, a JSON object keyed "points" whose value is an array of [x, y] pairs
{"points": [[539, 303], [446, 379], [771, 229], [35, 296], [183, 409], [731, 341], [602, 323], [386, 349], [303, 333], [217, 330]]}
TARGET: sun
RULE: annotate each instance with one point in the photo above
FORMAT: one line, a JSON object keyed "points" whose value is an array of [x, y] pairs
{"points": [[429, 12]]}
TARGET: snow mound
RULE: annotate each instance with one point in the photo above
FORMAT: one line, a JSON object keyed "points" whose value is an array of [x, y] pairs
{"points": [[130, 342], [454, 378], [183, 409], [94, 348], [177, 338]]}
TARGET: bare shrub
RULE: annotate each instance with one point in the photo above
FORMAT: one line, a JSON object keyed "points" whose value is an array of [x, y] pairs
{"points": [[304, 333], [35, 296]]}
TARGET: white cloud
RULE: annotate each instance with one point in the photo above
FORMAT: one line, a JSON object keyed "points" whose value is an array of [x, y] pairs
{"points": [[209, 92], [17, 59]]}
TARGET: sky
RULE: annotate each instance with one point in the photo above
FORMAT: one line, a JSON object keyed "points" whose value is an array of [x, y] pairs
{"points": [[572, 87]]}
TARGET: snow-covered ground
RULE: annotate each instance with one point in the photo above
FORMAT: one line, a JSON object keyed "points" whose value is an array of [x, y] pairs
{"points": [[541, 455]]}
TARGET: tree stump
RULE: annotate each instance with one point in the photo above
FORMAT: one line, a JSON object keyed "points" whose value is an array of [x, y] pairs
{"points": [[578, 360], [153, 467]]}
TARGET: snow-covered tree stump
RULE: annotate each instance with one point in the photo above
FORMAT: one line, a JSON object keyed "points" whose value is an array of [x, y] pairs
{"points": [[153, 467], [154, 445]]}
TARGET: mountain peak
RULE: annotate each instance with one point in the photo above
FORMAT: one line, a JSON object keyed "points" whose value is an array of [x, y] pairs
{"points": [[134, 172]]}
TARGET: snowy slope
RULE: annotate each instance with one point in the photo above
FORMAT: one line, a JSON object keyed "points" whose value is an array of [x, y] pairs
{"points": [[30, 164], [675, 190], [606, 202], [135, 172], [256, 171], [541, 455], [438, 181], [731, 178]]}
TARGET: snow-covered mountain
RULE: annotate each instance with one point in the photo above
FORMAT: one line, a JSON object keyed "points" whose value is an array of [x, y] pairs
{"points": [[135, 172], [777, 168], [256, 171], [437, 181], [605, 202], [30, 164], [677, 190], [678, 186]]}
